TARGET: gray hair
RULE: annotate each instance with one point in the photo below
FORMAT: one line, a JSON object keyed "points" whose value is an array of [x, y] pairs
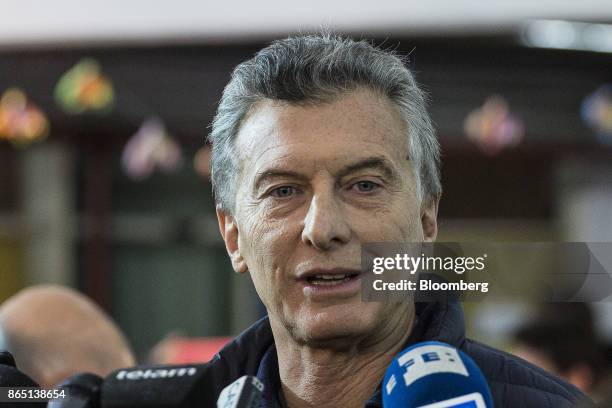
{"points": [[314, 69]]}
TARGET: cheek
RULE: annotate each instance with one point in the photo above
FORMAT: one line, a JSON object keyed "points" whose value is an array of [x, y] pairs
{"points": [[263, 239], [410, 227], [406, 215], [399, 222], [264, 244]]}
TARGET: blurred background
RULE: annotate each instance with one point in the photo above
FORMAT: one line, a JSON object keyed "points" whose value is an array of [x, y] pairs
{"points": [[104, 172]]}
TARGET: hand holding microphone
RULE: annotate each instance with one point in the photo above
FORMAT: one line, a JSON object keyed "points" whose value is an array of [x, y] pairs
{"points": [[435, 375]]}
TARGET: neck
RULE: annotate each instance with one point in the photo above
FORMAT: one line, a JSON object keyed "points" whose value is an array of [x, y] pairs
{"points": [[325, 377]]}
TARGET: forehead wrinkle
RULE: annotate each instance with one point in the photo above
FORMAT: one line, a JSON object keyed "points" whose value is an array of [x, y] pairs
{"points": [[267, 122], [273, 118]]}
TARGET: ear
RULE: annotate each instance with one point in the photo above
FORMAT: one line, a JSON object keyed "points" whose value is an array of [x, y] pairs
{"points": [[230, 234], [429, 219]]}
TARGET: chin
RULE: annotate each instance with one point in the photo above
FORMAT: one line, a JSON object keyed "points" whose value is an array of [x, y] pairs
{"points": [[340, 326]]}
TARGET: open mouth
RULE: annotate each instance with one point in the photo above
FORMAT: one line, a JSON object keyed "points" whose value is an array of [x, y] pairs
{"points": [[331, 280]]}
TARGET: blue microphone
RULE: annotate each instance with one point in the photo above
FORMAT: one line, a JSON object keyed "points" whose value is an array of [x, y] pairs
{"points": [[435, 375]]}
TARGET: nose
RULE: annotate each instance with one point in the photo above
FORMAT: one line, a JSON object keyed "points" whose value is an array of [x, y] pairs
{"points": [[325, 225]]}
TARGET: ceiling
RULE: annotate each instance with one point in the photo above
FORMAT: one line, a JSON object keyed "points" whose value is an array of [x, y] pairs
{"points": [[76, 22]]}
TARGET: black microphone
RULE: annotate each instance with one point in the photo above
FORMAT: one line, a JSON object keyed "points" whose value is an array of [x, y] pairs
{"points": [[245, 392], [7, 358], [11, 377], [156, 387], [79, 391]]}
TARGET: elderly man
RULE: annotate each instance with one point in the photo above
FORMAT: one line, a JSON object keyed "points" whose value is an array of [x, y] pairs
{"points": [[322, 144]]}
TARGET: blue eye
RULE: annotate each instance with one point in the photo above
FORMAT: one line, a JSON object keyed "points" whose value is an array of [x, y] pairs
{"points": [[366, 186], [283, 192]]}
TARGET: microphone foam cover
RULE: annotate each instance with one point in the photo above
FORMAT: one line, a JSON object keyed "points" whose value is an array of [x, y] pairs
{"points": [[435, 375]]}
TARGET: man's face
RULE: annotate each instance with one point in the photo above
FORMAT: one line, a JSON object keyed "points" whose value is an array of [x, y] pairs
{"points": [[316, 183]]}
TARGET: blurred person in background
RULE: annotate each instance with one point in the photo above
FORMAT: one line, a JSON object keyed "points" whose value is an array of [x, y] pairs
{"points": [[54, 332], [561, 339]]}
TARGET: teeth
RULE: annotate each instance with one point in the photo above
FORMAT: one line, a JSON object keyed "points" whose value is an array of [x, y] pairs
{"points": [[328, 280], [330, 277]]}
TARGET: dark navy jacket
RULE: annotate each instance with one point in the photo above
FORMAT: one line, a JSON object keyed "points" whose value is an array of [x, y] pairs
{"points": [[513, 382]]}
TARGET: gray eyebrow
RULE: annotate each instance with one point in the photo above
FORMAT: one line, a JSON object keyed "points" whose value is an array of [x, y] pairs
{"points": [[275, 173], [376, 162], [379, 163]]}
